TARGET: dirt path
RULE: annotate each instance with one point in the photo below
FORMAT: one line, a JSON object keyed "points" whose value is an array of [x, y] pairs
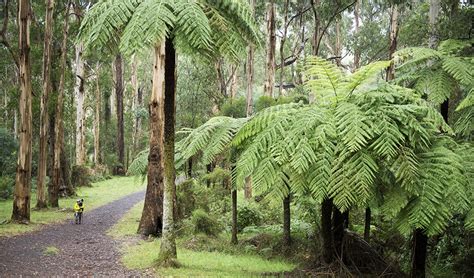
{"points": [[84, 250]]}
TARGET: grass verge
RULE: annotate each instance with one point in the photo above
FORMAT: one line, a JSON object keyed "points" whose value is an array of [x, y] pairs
{"points": [[99, 194], [138, 254]]}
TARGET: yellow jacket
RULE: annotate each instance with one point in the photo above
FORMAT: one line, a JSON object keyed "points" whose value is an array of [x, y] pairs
{"points": [[78, 208]]}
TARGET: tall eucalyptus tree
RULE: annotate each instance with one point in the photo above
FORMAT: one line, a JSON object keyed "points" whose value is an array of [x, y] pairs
{"points": [[209, 28]]}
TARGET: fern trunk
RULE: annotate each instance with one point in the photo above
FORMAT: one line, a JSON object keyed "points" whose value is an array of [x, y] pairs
{"points": [[326, 231], [151, 221], [234, 217], [286, 224], [168, 255], [368, 215], [419, 252], [338, 231]]}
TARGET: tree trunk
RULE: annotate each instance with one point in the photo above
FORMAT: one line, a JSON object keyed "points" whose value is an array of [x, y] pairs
{"points": [[151, 222], [317, 25], [250, 72], [43, 138], [79, 99], [168, 254], [338, 231], [326, 231], [119, 169], [433, 43], [419, 247], [286, 224], [393, 40], [97, 160], [249, 106], [368, 215], [356, 31], [282, 48], [248, 188], [433, 21], [53, 190], [233, 82], [21, 201], [234, 239], [189, 169], [271, 46], [338, 46], [136, 105]]}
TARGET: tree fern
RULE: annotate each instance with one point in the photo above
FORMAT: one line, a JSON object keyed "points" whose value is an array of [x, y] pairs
{"points": [[208, 28], [437, 73]]}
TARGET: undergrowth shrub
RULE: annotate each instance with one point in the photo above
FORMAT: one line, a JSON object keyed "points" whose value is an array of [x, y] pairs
{"points": [[186, 198], [205, 223], [81, 175], [248, 214], [7, 184]]}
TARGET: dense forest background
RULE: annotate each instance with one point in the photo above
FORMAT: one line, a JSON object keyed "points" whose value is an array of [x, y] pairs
{"points": [[90, 118]]}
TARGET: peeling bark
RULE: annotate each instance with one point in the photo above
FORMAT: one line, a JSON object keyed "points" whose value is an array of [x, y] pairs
{"points": [[271, 46], [58, 163], [118, 65], [79, 94], [168, 255], [151, 222], [43, 137], [21, 200], [393, 40], [97, 159]]}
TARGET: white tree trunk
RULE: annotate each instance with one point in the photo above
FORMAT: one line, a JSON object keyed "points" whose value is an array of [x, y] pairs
{"points": [[433, 17], [79, 97], [97, 119], [271, 45], [44, 121], [135, 103]]}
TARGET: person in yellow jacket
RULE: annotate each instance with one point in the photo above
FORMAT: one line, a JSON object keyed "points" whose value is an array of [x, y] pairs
{"points": [[78, 209]]}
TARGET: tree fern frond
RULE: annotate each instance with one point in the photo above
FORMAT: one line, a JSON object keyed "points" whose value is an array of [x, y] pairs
{"points": [[139, 165], [104, 22], [192, 24], [240, 14], [322, 77], [263, 119], [461, 69], [455, 47], [437, 85], [366, 74], [353, 126], [468, 101], [414, 56], [150, 24], [352, 181], [389, 139]]}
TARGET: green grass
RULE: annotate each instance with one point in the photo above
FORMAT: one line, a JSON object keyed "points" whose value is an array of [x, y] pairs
{"points": [[51, 251], [99, 194], [193, 263], [128, 225]]}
